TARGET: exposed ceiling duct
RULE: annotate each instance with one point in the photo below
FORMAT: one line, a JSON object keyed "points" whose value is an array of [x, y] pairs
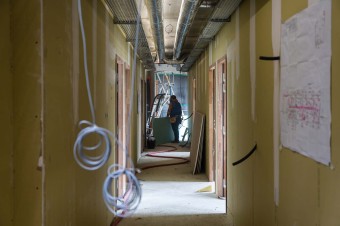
{"points": [[196, 26], [125, 14], [155, 12], [186, 16], [221, 14]]}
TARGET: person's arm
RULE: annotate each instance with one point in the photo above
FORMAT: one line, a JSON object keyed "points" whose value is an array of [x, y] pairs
{"points": [[169, 110]]}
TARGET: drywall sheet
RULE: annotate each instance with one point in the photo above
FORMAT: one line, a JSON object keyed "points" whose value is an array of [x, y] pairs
{"points": [[305, 82], [197, 142], [162, 130], [199, 159]]}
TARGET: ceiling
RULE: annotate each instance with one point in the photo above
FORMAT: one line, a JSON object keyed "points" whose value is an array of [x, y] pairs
{"points": [[162, 21]]}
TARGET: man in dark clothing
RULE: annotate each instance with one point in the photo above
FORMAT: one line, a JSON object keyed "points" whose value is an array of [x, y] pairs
{"points": [[175, 113]]}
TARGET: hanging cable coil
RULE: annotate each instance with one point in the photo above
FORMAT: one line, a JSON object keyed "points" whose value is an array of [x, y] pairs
{"points": [[127, 203], [87, 161], [85, 156]]}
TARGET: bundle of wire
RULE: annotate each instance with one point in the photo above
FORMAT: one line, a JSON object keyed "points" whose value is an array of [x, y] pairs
{"points": [[127, 203], [87, 161]]}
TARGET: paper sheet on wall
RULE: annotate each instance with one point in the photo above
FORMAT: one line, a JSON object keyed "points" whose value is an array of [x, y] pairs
{"points": [[305, 82]]}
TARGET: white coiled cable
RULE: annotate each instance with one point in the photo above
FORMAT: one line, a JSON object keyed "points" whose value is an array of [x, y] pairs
{"points": [[127, 203], [86, 161]]}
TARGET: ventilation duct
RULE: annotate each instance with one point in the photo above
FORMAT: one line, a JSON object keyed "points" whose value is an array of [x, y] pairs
{"points": [[125, 14], [186, 16], [155, 13]]}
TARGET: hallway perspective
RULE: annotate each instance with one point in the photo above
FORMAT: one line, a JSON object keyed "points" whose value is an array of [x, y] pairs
{"points": [[171, 194], [85, 86]]}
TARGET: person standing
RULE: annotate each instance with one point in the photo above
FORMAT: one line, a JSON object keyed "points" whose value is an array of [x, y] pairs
{"points": [[175, 114]]}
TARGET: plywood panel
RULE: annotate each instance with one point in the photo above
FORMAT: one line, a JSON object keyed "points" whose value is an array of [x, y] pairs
{"points": [[197, 134], [26, 63], [329, 182], [298, 185], [90, 194], [59, 127], [6, 118], [309, 193], [264, 212]]}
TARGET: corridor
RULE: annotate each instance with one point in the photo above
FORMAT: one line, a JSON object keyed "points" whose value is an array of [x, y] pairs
{"points": [[171, 194], [78, 79]]}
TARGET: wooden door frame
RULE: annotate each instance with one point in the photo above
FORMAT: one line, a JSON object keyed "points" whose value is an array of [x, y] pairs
{"points": [[221, 122], [121, 116], [211, 133], [143, 113], [127, 96], [194, 94]]}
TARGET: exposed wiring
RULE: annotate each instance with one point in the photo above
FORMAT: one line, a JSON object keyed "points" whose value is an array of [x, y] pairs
{"points": [[188, 117], [125, 204], [87, 161], [85, 62], [116, 220]]}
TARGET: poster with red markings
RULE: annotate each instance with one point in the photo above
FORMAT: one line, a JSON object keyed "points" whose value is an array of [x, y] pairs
{"points": [[305, 104]]}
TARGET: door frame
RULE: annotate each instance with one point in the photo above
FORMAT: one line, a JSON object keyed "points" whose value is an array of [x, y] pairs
{"points": [[212, 123], [221, 172], [122, 97]]}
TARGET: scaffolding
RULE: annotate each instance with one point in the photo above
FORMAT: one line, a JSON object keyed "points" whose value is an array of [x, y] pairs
{"points": [[164, 83]]}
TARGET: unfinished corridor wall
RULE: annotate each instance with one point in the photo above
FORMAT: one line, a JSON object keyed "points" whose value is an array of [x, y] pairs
{"points": [[43, 97], [27, 104], [6, 118], [308, 191]]}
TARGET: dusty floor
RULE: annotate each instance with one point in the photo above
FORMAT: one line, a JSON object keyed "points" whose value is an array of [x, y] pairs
{"points": [[171, 197]]}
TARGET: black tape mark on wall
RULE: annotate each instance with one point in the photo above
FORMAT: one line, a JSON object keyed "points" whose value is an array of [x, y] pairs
{"points": [[245, 157], [270, 58]]}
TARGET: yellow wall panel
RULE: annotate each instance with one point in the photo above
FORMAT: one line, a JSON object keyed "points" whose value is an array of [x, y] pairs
{"points": [[59, 127], [46, 82], [26, 64], [307, 188], [329, 183], [120, 44], [49, 99], [263, 179], [298, 190], [308, 191], [291, 7], [6, 118], [243, 125]]}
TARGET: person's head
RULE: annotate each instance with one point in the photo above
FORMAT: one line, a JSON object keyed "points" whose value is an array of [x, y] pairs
{"points": [[172, 98]]}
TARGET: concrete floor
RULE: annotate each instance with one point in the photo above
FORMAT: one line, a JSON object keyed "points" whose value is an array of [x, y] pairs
{"points": [[171, 197]]}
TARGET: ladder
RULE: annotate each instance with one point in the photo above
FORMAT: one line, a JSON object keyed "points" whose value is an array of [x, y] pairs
{"points": [[165, 83]]}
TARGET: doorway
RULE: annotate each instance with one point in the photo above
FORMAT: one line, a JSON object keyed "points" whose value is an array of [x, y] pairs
{"points": [[221, 128], [217, 126], [122, 111], [212, 124]]}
